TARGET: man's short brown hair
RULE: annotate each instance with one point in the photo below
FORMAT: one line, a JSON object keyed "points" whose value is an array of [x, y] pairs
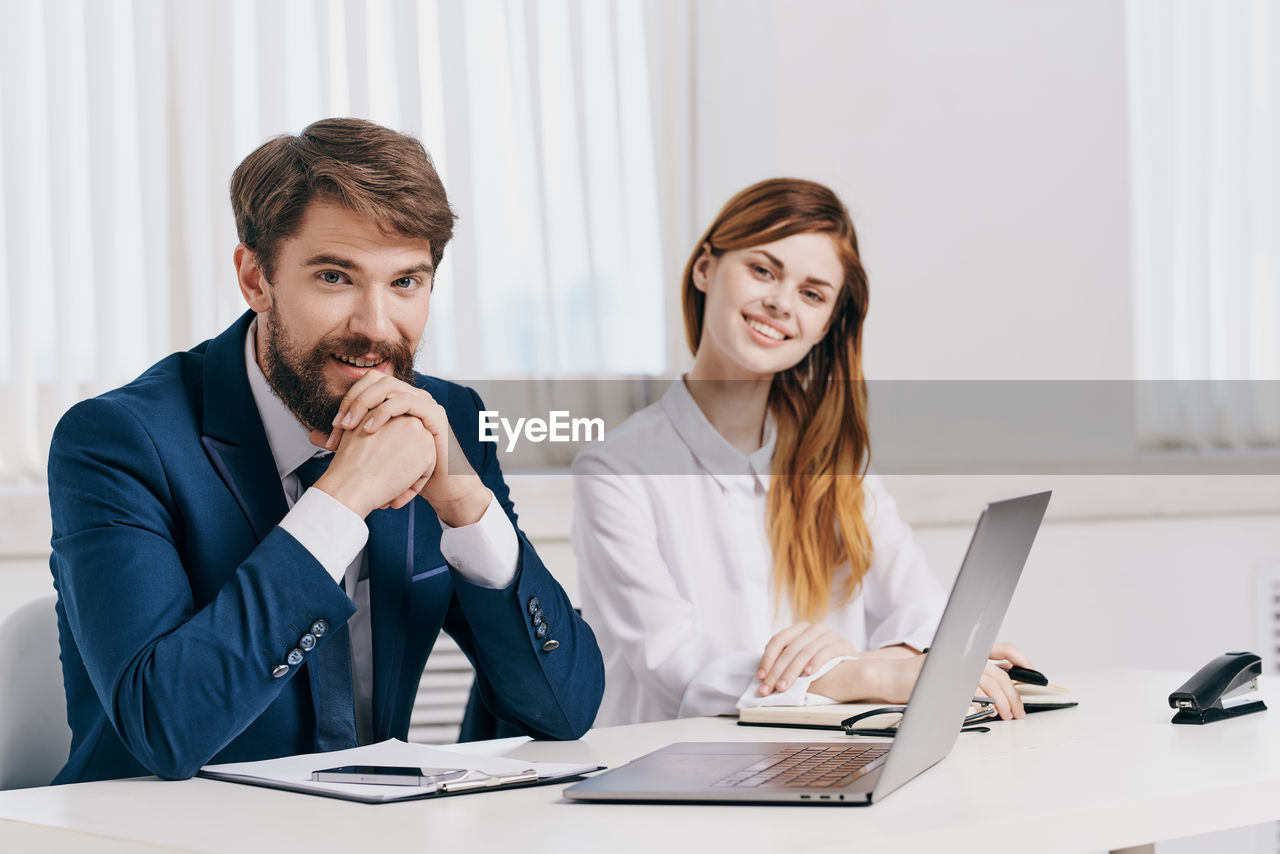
{"points": [[380, 174]]}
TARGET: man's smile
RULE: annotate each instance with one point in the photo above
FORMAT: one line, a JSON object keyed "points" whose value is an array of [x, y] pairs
{"points": [[360, 362]]}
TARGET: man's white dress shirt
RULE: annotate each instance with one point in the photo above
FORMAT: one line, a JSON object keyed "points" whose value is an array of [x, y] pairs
{"points": [[485, 553], [669, 529]]}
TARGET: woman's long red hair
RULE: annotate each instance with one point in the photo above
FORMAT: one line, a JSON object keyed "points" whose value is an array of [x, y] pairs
{"points": [[815, 506]]}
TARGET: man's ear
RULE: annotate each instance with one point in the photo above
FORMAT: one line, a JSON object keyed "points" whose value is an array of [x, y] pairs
{"points": [[702, 267], [253, 284]]}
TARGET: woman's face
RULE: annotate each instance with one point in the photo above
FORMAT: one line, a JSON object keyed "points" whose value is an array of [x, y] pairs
{"points": [[767, 305]]}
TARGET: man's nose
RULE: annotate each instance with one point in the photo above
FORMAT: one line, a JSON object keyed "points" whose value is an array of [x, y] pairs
{"points": [[371, 317]]}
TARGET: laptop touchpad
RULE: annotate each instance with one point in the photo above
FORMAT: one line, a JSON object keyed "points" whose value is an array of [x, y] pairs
{"points": [[702, 766]]}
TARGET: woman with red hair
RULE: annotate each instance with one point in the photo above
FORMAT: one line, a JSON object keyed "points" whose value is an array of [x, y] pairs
{"points": [[732, 547]]}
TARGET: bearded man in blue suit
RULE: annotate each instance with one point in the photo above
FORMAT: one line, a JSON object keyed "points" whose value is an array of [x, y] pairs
{"points": [[257, 542]]}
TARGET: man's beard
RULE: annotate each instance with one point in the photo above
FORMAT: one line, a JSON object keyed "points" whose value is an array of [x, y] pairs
{"points": [[298, 378]]}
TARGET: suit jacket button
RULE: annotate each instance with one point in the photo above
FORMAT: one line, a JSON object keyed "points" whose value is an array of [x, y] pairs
{"points": [[543, 628], [307, 642], [550, 645], [279, 670], [319, 627], [294, 657]]}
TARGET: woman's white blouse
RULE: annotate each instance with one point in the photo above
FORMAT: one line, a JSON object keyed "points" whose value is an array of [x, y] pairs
{"points": [[675, 566]]}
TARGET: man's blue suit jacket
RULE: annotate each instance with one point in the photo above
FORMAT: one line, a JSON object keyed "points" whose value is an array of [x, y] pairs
{"points": [[178, 594]]}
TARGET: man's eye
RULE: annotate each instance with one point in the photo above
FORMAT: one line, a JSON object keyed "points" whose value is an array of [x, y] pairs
{"points": [[331, 277], [406, 283]]}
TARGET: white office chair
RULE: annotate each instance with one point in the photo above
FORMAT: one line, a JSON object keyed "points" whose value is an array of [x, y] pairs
{"points": [[35, 738]]}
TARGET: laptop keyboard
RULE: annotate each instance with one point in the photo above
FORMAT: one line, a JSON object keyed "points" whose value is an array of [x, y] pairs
{"points": [[807, 767]]}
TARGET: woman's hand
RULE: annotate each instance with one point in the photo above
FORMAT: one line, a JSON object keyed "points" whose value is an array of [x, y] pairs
{"points": [[875, 677], [798, 650], [997, 685]]}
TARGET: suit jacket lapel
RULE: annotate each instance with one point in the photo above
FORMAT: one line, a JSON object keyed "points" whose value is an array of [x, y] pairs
{"points": [[390, 557], [233, 435]]}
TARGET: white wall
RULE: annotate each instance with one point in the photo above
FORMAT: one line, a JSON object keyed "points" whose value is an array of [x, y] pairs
{"points": [[23, 578], [1159, 593], [981, 147]]}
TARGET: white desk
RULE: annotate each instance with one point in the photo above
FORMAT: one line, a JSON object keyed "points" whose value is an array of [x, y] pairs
{"points": [[1110, 774]]}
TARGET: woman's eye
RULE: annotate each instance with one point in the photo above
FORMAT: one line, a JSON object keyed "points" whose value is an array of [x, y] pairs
{"points": [[762, 271], [813, 296]]}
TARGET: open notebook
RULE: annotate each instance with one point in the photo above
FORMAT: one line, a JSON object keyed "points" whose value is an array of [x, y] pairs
{"points": [[1035, 698]]}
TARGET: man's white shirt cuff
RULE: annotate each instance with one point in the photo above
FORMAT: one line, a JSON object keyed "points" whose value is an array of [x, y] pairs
{"points": [[327, 528], [486, 552]]}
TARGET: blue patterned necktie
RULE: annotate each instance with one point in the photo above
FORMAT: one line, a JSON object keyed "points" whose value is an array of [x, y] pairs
{"points": [[330, 664]]}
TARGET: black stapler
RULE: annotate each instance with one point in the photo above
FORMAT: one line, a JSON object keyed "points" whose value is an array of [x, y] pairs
{"points": [[1219, 690]]}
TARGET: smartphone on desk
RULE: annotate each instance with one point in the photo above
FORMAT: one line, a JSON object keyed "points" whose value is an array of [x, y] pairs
{"points": [[387, 775]]}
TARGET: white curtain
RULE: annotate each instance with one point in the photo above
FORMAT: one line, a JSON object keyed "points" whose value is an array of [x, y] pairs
{"points": [[1204, 85], [121, 121]]}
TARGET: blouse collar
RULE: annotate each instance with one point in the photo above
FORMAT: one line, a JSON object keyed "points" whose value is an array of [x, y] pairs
{"points": [[713, 452]]}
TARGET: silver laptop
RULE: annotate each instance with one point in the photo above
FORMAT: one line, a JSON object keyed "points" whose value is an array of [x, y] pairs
{"points": [[859, 773]]}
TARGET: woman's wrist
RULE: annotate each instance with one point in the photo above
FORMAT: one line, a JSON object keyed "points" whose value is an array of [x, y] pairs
{"points": [[900, 650], [847, 681], [868, 679]]}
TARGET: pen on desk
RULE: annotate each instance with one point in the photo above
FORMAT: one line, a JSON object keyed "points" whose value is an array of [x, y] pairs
{"points": [[1027, 675], [1018, 674], [480, 780]]}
